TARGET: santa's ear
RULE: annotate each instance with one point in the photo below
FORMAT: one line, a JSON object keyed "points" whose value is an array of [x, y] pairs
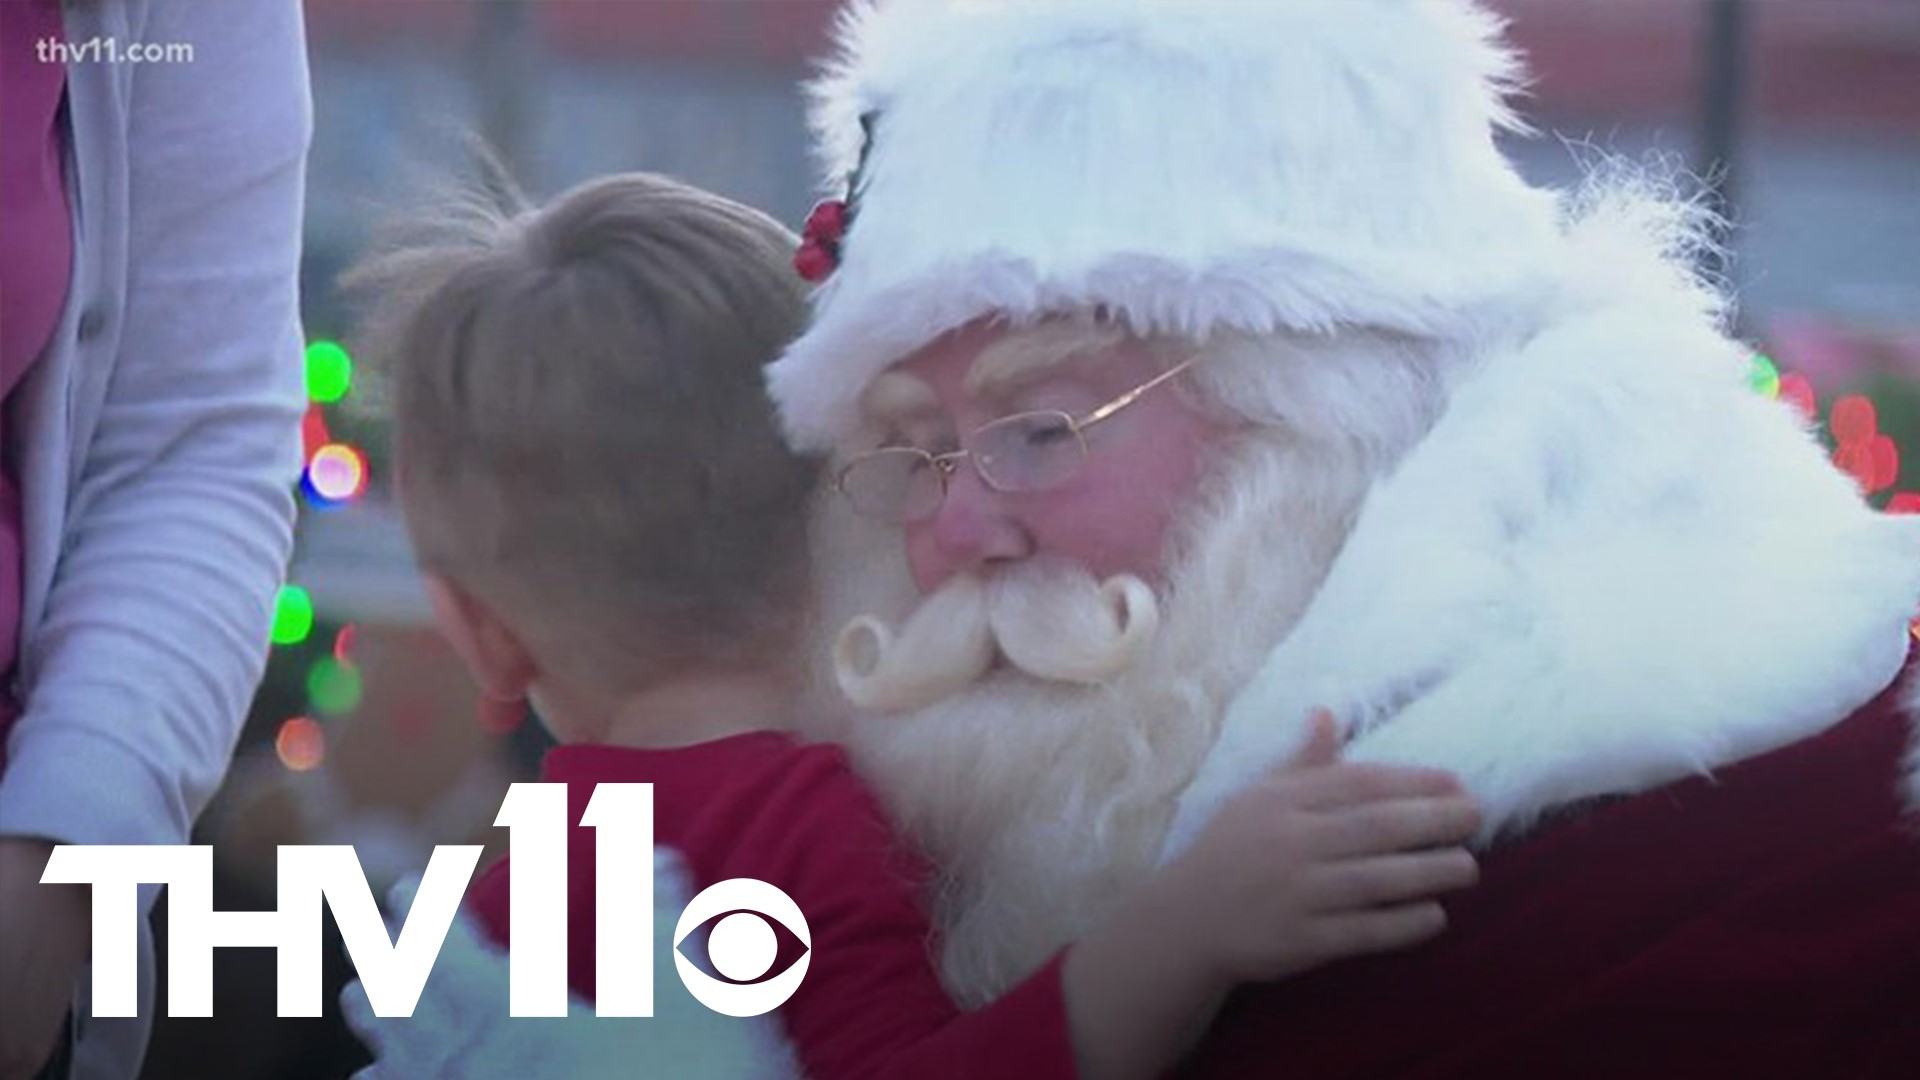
{"points": [[496, 656]]}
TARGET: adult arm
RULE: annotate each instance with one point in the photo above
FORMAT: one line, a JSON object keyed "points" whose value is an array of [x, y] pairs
{"points": [[180, 519]]}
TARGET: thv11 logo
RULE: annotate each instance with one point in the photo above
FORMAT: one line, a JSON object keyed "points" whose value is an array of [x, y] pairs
{"points": [[394, 969]]}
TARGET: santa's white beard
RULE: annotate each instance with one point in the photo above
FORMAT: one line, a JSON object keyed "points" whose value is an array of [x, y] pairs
{"points": [[1042, 802]]}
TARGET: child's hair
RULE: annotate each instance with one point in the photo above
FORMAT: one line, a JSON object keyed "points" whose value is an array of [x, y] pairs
{"points": [[583, 437]]}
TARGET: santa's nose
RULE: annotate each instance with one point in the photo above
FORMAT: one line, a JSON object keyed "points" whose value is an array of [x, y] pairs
{"points": [[975, 528]]}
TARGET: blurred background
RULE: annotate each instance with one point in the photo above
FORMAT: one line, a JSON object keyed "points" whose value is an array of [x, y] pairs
{"points": [[1805, 114]]}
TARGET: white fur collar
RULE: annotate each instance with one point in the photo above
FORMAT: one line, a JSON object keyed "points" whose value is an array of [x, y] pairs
{"points": [[1609, 566]]}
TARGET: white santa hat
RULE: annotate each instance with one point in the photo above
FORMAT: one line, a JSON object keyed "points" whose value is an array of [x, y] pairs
{"points": [[1180, 165]]}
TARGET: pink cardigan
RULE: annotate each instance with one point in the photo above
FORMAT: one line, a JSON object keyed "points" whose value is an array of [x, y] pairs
{"points": [[36, 217]]}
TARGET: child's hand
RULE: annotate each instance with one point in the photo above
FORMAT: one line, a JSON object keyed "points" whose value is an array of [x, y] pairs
{"points": [[1321, 860], [1316, 861]]}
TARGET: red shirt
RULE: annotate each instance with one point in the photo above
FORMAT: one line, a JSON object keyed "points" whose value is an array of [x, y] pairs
{"points": [[764, 806], [39, 258], [1761, 923]]}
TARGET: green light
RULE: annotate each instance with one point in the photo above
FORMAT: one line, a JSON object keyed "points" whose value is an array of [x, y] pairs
{"points": [[329, 372], [292, 615], [1763, 376], [333, 687]]}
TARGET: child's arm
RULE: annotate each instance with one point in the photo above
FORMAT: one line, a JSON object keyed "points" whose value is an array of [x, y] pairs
{"points": [[1317, 862]]}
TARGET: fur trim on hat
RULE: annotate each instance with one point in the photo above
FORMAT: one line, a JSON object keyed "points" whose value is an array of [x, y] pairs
{"points": [[1182, 166]]}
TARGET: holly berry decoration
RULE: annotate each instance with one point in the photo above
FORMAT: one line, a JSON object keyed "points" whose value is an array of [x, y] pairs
{"points": [[819, 253]]}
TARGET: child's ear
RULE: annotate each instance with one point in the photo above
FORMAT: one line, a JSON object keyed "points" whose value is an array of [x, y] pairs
{"points": [[502, 665]]}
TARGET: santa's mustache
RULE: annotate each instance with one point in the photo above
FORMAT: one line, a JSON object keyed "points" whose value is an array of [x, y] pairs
{"points": [[1051, 620]]}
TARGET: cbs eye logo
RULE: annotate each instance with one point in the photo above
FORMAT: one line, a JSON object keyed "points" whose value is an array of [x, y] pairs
{"points": [[742, 946]]}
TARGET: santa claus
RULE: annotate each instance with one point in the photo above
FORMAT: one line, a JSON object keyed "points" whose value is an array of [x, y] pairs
{"points": [[1193, 365]]}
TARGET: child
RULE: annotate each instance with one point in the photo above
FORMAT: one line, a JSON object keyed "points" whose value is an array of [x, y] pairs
{"points": [[610, 525]]}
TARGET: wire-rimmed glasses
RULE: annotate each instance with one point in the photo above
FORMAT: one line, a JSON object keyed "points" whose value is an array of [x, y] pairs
{"points": [[1024, 452]]}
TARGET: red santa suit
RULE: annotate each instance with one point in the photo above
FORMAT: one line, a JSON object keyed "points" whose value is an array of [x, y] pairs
{"points": [[1760, 922]]}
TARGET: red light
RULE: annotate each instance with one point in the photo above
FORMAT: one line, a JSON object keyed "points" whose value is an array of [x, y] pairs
{"points": [[301, 744], [1856, 460], [1852, 419], [1797, 391], [1886, 462], [313, 432]]}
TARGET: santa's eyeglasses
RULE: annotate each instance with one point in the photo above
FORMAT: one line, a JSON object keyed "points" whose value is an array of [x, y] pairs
{"points": [[1025, 452]]}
